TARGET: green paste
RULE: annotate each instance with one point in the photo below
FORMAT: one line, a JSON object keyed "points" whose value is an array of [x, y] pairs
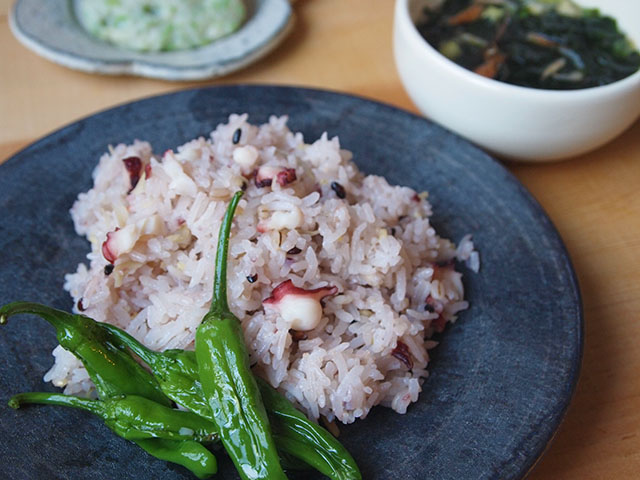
{"points": [[160, 25]]}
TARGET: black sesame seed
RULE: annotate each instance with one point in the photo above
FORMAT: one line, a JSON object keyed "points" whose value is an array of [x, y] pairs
{"points": [[429, 308], [393, 231], [80, 306], [445, 263], [265, 182], [236, 136], [339, 189], [294, 251], [252, 278], [108, 268], [244, 186]]}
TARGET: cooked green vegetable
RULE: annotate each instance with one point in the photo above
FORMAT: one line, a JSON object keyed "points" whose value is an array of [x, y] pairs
{"points": [[227, 382], [114, 372], [294, 434], [300, 438], [188, 453], [130, 416], [549, 44], [111, 368]]}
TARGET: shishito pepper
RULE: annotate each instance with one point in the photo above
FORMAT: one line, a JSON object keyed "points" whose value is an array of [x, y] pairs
{"points": [[130, 416], [228, 385], [111, 368], [114, 372], [188, 453], [296, 437], [177, 375], [302, 439]]}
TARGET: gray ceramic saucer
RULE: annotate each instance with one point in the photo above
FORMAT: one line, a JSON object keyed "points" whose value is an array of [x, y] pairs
{"points": [[51, 30], [501, 378]]}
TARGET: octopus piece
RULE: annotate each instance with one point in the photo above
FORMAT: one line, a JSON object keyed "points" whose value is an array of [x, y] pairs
{"points": [[299, 307]]}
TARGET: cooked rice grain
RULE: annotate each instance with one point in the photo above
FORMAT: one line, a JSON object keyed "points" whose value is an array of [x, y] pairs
{"points": [[376, 245]]}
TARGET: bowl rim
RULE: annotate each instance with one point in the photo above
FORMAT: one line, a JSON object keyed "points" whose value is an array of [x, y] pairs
{"points": [[405, 22], [268, 24]]}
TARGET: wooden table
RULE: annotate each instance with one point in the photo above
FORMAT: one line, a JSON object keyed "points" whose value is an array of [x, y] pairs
{"points": [[593, 201]]}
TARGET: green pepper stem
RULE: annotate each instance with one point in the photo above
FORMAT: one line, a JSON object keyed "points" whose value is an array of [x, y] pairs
{"points": [[47, 398], [219, 303], [53, 316]]}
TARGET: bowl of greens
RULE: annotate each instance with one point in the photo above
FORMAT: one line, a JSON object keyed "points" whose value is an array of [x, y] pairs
{"points": [[532, 80]]}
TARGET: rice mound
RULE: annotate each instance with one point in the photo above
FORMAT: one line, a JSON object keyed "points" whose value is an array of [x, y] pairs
{"points": [[395, 276]]}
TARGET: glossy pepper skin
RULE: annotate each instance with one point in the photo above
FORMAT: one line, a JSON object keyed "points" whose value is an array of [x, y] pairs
{"points": [[114, 372], [188, 453], [111, 368], [296, 437], [227, 382], [130, 416], [176, 372]]}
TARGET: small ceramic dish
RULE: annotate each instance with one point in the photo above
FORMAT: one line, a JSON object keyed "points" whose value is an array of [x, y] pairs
{"points": [[512, 121], [51, 30]]}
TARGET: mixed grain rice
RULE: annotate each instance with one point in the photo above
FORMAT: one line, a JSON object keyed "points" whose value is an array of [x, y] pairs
{"points": [[395, 276]]}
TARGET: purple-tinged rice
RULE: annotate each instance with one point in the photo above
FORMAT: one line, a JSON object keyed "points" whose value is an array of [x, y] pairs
{"points": [[375, 245]]}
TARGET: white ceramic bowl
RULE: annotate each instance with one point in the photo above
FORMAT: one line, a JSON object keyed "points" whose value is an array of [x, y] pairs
{"points": [[511, 121]]}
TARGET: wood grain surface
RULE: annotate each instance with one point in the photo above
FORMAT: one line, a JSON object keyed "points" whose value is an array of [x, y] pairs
{"points": [[593, 200]]}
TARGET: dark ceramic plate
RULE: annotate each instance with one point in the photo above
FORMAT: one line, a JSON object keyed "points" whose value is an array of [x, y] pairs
{"points": [[501, 378]]}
